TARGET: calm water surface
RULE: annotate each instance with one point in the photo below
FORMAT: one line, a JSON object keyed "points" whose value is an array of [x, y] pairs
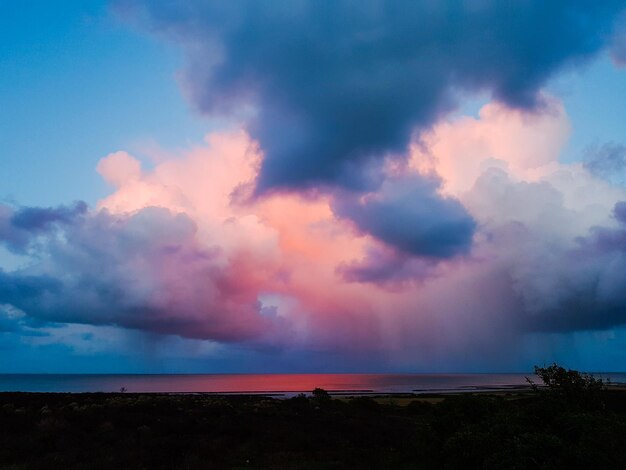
{"points": [[266, 383]]}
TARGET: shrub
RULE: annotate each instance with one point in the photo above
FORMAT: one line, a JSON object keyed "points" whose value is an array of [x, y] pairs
{"points": [[570, 385], [321, 395]]}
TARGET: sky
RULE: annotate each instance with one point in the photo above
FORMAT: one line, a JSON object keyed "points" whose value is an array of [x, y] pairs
{"points": [[341, 186]]}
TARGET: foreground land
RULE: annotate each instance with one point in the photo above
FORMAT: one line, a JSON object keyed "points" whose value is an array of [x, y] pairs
{"points": [[518, 430]]}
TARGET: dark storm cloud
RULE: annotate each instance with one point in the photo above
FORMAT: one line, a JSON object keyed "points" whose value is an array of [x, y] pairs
{"points": [[17, 323], [18, 227], [387, 267], [590, 287], [557, 270], [40, 218], [143, 271], [339, 82], [407, 213], [332, 88], [15, 287], [619, 211]]}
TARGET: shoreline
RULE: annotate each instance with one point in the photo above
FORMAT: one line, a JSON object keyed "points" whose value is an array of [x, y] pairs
{"points": [[283, 394]]}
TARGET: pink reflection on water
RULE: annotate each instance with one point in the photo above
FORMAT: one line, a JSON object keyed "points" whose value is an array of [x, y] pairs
{"points": [[259, 383]]}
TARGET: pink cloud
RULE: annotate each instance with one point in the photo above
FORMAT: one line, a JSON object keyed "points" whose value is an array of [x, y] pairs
{"points": [[291, 252], [184, 248], [119, 168], [525, 144]]}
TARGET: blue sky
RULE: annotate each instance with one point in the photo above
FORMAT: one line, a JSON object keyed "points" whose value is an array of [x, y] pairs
{"points": [[75, 85]]}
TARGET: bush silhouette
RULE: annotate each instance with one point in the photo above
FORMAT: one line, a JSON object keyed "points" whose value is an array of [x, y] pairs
{"points": [[570, 386], [321, 395]]}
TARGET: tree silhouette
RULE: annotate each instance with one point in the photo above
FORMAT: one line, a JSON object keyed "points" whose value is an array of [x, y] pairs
{"points": [[569, 385]]}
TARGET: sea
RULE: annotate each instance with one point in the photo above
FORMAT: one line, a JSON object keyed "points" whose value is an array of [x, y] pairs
{"points": [[272, 384]]}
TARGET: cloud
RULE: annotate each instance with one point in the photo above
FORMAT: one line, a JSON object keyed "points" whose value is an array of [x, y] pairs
{"points": [[557, 242], [384, 266], [607, 161], [332, 91], [407, 213], [182, 249], [38, 219], [618, 43], [326, 87], [460, 150], [16, 322], [119, 168], [143, 270], [591, 283], [18, 228]]}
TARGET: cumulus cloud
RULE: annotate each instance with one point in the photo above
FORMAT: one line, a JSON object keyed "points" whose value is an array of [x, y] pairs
{"points": [[347, 213], [384, 266], [460, 150], [332, 90], [407, 213], [18, 228], [182, 249], [580, 287], [119, 168], [16, 322], [142, 270], [334, 84], [173, 251], [540, 229]]}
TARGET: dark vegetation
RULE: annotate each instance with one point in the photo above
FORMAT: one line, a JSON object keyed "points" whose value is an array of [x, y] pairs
{"points": [[571, 422]]}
